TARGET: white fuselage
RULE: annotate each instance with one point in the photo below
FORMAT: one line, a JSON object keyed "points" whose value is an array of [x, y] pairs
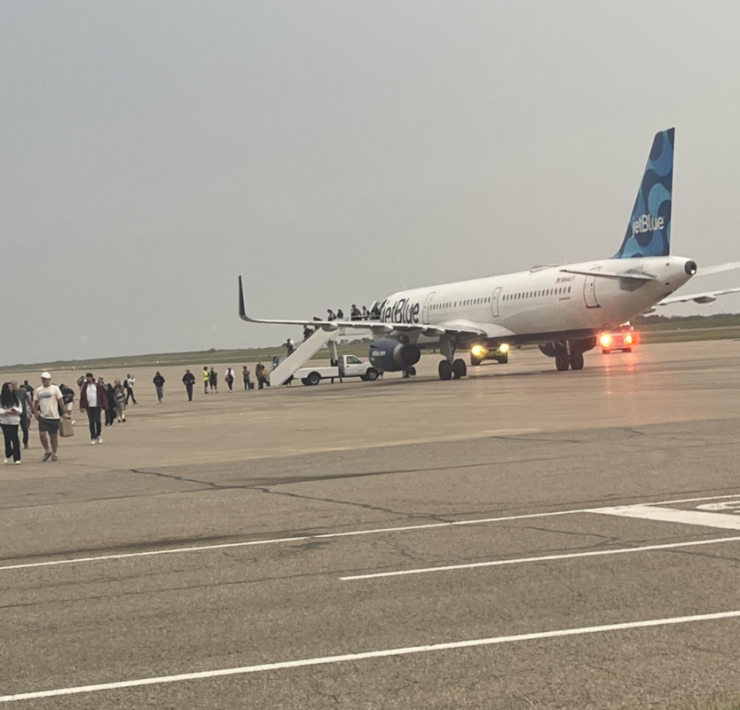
{"points": [[537, 305]]}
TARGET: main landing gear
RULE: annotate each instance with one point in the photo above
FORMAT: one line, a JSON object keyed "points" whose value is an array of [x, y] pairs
{"points": [[573, 360], [451, 368], [568, 354]]}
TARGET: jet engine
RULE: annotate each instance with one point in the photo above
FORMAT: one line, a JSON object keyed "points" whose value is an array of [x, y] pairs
{"points": [[389, 355]]}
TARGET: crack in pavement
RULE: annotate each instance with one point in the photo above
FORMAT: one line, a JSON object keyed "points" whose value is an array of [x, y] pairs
{"points": [[182, 479], [365, 506]]}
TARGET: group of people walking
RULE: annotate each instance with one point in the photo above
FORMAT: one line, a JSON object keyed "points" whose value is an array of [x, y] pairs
{"points": [[104, 403], [117, 396], [210, 379], [19, 405]]}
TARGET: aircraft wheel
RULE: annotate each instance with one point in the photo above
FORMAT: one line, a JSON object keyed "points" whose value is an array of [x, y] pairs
{"points": [[576, 360], [459, 369], [474, 361], [445, 370], [562, 362]]}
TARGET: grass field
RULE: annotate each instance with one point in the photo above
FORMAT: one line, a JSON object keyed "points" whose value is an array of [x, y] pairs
{"points": [[653, 329]]}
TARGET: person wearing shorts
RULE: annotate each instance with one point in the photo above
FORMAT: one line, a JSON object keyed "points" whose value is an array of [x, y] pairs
{"points": [[47, 403]]}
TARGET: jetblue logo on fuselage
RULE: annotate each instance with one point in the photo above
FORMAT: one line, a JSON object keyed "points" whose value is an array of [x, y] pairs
{"points": [[646, 223], [402, 311]]}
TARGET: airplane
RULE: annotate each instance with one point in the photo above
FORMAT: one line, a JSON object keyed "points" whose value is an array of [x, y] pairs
{"points": [[561, 308]]}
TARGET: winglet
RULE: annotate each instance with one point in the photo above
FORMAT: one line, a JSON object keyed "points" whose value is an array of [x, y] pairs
{"points": [[242, 309]]}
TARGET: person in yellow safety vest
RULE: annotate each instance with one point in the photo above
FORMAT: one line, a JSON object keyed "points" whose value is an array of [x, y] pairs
{"points": [[206, 378]]}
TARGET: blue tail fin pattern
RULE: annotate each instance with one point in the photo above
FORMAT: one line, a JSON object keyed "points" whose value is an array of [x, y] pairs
{"points": [[649, 230]]}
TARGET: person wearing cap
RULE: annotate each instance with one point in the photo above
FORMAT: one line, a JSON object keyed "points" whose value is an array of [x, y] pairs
{"points": [[93, 400], [47, 403]]}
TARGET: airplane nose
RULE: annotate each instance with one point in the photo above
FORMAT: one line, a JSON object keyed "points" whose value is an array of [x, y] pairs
{"points": [[690, 267]]}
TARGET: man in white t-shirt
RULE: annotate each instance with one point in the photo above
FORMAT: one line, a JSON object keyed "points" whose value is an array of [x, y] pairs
{"points": [[47, 401]]}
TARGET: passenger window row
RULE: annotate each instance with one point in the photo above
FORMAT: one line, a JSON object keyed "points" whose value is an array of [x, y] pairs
{"points": [[537, 294], [455, 304]]}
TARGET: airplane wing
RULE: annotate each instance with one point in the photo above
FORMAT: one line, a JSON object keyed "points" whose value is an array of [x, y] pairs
{"points": [[612, 274], [706, 297], [456, 327]]}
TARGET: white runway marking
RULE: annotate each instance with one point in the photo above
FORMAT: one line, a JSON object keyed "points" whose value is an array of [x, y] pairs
{"points": [[407, 651], [328, 536], [544, 558], [727, 505], [674, 515]]}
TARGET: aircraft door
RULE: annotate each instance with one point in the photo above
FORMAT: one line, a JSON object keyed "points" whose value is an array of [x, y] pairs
{"points": [[589, 291], [494, 302], [425, 310]]}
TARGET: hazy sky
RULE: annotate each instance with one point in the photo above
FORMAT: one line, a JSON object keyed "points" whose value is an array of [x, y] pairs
{"points": [[334, 152]]}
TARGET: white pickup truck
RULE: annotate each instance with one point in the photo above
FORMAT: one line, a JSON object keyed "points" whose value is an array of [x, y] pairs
{"points": [[349, 366]]}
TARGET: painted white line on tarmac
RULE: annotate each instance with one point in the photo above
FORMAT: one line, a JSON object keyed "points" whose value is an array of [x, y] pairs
{"points": [[274, 541], [350, 657], [328, 536], [673, 515], [544, 558]]}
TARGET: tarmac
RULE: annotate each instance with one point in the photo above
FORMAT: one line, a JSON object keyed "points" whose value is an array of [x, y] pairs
{"points": [[522, 538]]}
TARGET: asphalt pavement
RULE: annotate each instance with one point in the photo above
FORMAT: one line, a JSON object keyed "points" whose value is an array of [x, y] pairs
{"points": [[522, 538]]}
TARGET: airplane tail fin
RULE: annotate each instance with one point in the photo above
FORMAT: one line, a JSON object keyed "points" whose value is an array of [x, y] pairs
{"points": [[649, 229]]}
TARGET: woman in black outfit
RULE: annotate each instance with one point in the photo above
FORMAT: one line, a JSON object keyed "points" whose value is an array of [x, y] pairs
{"points": [[110, 413], [10, 418]]}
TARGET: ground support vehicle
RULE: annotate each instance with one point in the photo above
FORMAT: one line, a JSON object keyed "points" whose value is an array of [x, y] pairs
{"points": [[479, 353], [624, 339], [347, 366]]}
